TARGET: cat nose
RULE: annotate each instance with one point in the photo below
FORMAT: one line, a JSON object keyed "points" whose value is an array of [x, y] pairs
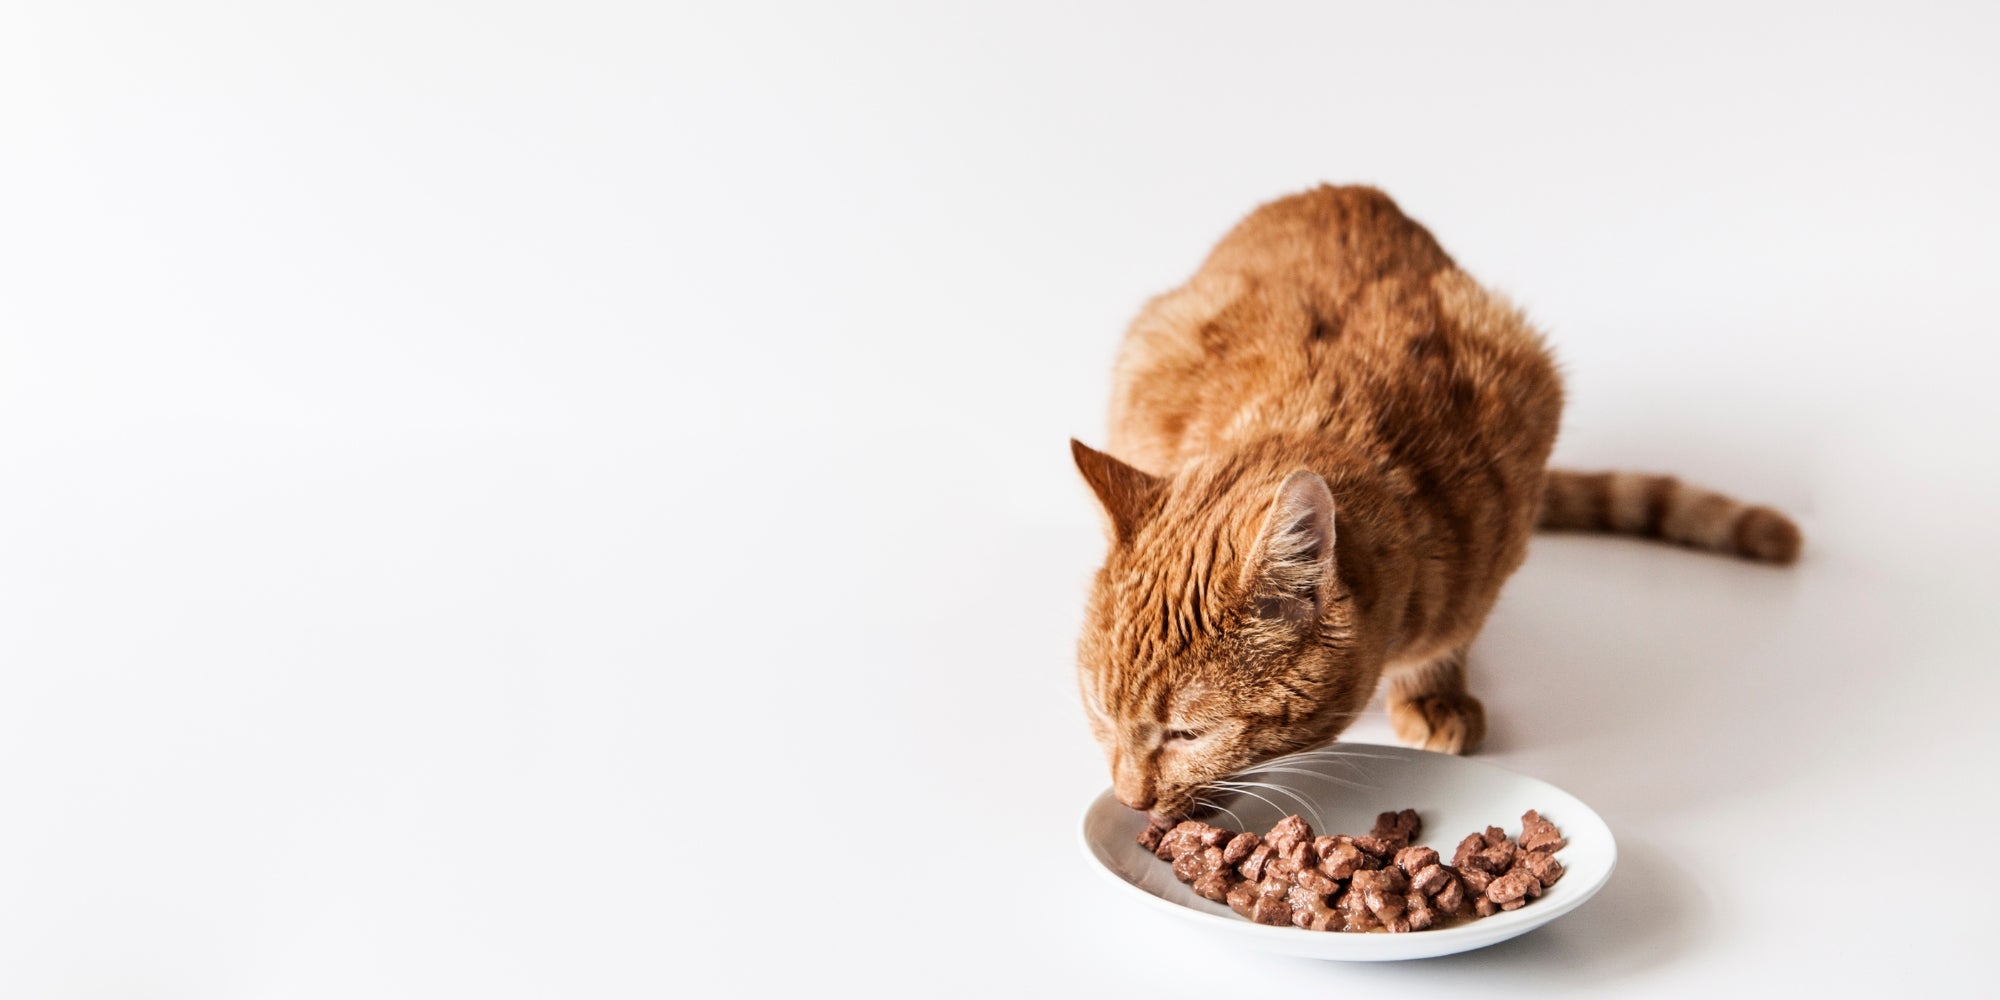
{"points": [[1141, 800], [1133, 787]]}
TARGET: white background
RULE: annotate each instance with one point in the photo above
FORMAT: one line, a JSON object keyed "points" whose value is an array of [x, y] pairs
{"points": [[543, 500]]}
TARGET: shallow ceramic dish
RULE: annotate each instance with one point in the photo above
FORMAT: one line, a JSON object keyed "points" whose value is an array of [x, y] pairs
{"points": [[1454, 795]]}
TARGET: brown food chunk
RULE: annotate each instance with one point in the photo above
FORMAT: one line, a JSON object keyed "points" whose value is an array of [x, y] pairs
{"points": [[1300, 855], [1431, 878], [1315, 912], [1387, 879], [1188, 867], [1415, 859], [1240, 846], [1203, 834], [1376, 847], [1344, 859], [1253, 866], [1184, 837], [1263, 902], [1355, 909], [1542, 865], [1476, 879], [1382, 891], [1516, 885], [1538, 834], [1214, 885], [1241, 897], [1397, 827], [1323, 847], [1271, 910], [1498, 857], [1386, 906], [1195, 864], [1468, 847], [1149, 838], [1314, 880], [1451, 897], [1483, 907], [1418, 910], [1309, 907], [1495, 835], [1290, 830], [1188, 836]]}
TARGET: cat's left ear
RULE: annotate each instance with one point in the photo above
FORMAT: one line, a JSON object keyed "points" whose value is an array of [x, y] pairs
{"points": [[1290, 575], [1125, 492]]}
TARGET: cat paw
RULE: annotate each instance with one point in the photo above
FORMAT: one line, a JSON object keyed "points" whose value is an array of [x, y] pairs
{"points": [[1447, 723]]}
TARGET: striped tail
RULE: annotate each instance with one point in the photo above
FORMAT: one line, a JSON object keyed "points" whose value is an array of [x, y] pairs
{"points": [[1630, 503]]}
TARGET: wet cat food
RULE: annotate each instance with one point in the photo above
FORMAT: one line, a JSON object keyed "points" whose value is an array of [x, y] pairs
{"points": [[1378, 881]]}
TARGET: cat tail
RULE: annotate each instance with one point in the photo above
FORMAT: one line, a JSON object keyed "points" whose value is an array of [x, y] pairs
{"points": [[1631, 503]]}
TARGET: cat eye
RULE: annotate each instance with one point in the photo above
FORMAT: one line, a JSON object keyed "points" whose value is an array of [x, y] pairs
{"points": [[1183, 734]]}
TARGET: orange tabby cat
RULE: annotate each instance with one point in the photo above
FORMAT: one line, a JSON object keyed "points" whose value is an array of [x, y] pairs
{"points": [[1331, 451]]}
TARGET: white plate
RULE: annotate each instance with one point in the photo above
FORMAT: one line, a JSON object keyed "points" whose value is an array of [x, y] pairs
{"points": [[1454, 796]]}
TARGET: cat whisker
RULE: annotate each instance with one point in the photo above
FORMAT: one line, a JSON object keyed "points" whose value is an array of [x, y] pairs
{"points": [[1319, 822], [1297, 764], [1281, 810], [1330, 754], [1343, 782], [1348, 755], [1219, 807], [1301, 771], [1307, 757], [1314, 761], [1347, 778], [1329, 769], [1243, 786]]}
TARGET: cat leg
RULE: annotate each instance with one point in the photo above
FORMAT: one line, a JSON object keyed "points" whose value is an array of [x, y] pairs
{"points": [[1430, 709]]}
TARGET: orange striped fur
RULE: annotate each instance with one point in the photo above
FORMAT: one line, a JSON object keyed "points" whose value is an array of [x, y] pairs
{"points": [[1330, 453], [1631, 503]]}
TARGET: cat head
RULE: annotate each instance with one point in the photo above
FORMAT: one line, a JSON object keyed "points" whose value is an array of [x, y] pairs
{"points": [[1218, 634]]}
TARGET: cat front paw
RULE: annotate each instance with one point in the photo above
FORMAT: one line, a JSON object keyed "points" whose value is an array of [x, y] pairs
{"points": [[1447, 723]]}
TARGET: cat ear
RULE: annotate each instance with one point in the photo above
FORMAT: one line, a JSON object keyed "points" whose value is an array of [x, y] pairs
{"points": [[1290, 571], [1124, 491]]}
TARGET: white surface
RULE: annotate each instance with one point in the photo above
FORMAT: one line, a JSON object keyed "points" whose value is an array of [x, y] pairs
{"points": [[462, 463], [1453, 797]]}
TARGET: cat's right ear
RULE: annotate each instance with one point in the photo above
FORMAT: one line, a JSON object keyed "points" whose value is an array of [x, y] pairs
{"points": [[1125, 492], [1291, 568]]}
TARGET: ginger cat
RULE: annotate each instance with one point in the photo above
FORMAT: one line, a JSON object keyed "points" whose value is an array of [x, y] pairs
{"points": [[1331, 448]]}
